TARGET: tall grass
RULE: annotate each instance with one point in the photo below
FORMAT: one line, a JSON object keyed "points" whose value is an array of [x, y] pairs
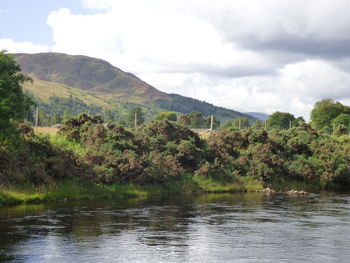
{"points": [[65, 144], [68, 190]]}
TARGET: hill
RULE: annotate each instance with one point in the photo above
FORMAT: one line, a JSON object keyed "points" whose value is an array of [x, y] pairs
{"points": [[259, 115], [97, 82]]}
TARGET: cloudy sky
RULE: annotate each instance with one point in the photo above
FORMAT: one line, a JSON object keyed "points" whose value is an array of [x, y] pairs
{"points": [[247, 55]]}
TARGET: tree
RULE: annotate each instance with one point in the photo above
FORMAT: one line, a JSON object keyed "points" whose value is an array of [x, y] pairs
{"points": [[197, 120], [280, 120], [216, 122], [138, 112], [14, 104], [297, 121], [56, 118], [325, 111], [168, 116], [341, 119], [258, 124], [241, 122]]}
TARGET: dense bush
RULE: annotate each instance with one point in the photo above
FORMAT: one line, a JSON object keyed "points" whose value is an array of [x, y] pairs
{"points": [[162, 151], [300, 153], [156, 152], [33, 159]]}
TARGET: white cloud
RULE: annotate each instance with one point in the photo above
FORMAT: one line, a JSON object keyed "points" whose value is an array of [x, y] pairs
{"points": [[98, 5], [18, 47], [295, 88], [249, 55]]}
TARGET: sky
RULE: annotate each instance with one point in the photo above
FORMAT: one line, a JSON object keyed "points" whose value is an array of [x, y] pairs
{"points": [[246, 55]]}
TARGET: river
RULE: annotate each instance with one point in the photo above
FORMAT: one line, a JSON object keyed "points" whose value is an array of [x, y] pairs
{"points": [[250, 227]]}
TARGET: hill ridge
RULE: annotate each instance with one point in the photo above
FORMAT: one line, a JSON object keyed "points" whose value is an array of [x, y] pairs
{"points": [[99, 76]]}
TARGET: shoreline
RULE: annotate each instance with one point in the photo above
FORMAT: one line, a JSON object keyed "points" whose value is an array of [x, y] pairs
{"points": [[66, 191]]}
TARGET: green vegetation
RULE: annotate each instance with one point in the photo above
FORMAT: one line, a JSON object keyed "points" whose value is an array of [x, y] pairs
{"points": [[280, 120], [91, 158], [14, 104], [166, 116], [328, 112]]}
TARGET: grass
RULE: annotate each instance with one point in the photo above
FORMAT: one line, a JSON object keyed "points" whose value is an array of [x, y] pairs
{"points": [[46, 130], [43, 90], [63, 143], [64, 190], [240, 184], [82, 190], [72, 190]]}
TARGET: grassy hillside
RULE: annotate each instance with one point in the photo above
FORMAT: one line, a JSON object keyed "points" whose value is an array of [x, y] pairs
{"points": [[96, 82], [87, 74], [43, 90]]}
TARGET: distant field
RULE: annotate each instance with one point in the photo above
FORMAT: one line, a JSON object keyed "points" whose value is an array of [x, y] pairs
{"points": [[46, 130]]}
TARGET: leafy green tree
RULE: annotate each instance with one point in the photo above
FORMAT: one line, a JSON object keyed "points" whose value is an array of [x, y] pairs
{"points": [[325, 111], [341, 119], [280, 120], [197, 120], [44, 120], [298, 121], [138, 112], [258, 124], [56, 118], [244, 122], [14, 104], [168, 116]]}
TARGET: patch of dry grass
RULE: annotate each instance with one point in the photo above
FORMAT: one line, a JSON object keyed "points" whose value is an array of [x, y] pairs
{"points": [[46, 130]]}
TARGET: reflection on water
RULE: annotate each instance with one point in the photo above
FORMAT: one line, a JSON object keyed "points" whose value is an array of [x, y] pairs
{"points": [[206, 228]]}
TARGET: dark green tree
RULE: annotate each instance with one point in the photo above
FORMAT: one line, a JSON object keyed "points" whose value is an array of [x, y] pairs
{"points": [[325, 111], [197, 120], [168, 116], [56, 118], [244, 122], [258, 124], [280, 120], [341, 119], [14, 104], [298, 121], [138, 112]]}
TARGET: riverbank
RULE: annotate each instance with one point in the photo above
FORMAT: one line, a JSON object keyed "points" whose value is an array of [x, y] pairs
{"points": [[75, 190], [64, 191]]}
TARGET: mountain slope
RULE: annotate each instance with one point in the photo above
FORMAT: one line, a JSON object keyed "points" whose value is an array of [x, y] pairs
{"points": [[43, 90], [97, 82], [259, 115], [87, 74]]}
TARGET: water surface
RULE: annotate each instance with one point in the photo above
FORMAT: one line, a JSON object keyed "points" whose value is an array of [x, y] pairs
{"points": [[207, 228]]}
